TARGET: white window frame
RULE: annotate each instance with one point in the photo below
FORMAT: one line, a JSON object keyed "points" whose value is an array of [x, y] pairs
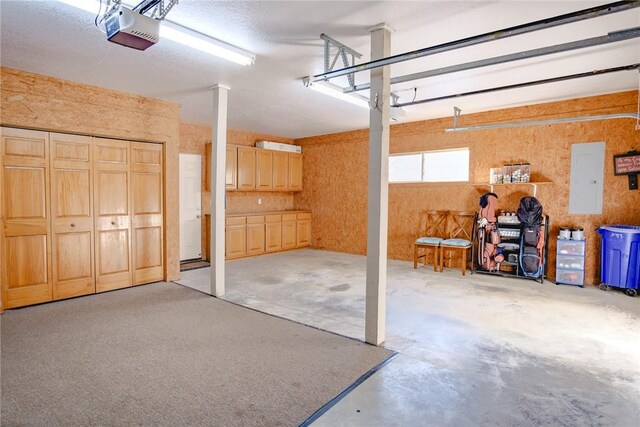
{"points": [[422, 166]]}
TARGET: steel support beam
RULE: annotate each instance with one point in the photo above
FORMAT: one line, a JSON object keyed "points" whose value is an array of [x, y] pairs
{"points": [[378, 190], [218, 187], [520, 85], [614, 37], [542, 24]]}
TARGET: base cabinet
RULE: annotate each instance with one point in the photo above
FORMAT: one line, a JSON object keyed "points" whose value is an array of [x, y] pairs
{"points": [[273, 233], [259, 234], [255, 238]]}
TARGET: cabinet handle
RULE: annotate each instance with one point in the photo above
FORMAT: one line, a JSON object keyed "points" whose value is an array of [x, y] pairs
{"points": [[113, 223], [73, 225]]}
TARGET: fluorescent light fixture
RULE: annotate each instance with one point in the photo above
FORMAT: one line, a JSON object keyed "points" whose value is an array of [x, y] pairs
{"points": [[185, 36], [195, 40], [88, 5], [336, 92]]}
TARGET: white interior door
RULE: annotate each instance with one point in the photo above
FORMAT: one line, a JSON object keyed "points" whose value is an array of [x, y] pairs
{"points": [[190, 206]]}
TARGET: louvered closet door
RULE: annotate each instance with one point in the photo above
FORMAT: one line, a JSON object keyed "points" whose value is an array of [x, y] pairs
{"points": [[147, 208], [112, 211], [72, 216], [26, 267]]}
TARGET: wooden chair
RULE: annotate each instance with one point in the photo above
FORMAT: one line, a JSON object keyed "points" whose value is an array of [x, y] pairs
{"points": [[435, 232], [459, 232]]}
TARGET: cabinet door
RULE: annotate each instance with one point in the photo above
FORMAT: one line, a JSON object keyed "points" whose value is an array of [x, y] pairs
{"points": [[231, 168], [146, 216], [111, 214], [288, 234], [236, 241], [273, 237], [72, 215], [264, 170], [303, 235], [255, 239], [26, 232], [295, 171], [280, 170], [246, 168]]}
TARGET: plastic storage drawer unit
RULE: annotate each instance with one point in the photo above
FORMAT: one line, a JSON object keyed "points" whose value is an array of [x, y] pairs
{"points": [[570, 262], [573, 262], [570, 247], [570, 277], [620, 257]]}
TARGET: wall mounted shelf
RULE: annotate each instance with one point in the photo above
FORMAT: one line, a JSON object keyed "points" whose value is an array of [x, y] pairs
{"points": [[532, 184]]}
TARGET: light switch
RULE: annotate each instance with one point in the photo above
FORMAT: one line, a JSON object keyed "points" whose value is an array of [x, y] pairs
{"points": [[259, 201]]}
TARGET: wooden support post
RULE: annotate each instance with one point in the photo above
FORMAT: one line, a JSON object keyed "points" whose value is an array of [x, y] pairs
{"points": [[378, 185], [218, 187]]}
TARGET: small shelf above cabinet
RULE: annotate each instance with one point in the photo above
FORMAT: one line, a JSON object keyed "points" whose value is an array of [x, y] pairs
{"points": [[532, 184]]}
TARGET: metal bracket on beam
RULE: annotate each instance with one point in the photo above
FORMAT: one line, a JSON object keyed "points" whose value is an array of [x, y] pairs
{"points": [[456, 116], [158, 8], [342, 52]]}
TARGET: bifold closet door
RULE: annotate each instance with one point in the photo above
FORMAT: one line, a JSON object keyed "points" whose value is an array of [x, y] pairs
{"points": [[112, 209], [72, 215], [147, 208], [26, 231]]}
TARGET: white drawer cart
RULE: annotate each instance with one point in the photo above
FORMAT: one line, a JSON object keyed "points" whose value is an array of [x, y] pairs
{"points": [[570, 256]]}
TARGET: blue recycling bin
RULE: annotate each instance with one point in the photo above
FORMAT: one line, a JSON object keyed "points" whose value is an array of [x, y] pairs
{"points": [[620, 257]]}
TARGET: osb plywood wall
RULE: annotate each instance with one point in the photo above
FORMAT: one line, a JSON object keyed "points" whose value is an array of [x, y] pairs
{"points": [[335, 177], [39, 102], [194, 137]]}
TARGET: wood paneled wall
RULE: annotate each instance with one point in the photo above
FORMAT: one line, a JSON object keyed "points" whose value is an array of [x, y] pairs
{"points": [[40, 102], [194, 137], [335, 178]]}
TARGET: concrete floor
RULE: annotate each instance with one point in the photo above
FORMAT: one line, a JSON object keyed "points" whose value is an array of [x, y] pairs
{"points": [[474, 350]]}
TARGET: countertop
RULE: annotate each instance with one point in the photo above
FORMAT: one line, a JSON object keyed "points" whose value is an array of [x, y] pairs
{"points": [[265, 213]]}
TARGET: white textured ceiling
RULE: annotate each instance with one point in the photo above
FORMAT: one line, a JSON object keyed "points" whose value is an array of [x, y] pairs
{"points": [[54, 39]]}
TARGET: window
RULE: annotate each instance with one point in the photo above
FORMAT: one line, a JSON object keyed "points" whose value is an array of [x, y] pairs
{"points": [[430, 166]]}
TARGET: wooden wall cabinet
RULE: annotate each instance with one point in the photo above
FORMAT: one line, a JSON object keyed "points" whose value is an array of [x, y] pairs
{"points": [[231, 173], [264, 170], [80, 215], [257, 169], [231, 170], [280, 170], [295, 172], [246, 168]]}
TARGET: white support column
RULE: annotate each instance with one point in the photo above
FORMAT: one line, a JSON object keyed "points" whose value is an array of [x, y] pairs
{"points": [[218, 187], [378, 186]]}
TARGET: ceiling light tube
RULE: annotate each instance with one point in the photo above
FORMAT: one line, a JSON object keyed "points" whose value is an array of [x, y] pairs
{"points": [[336, 92], [195, 40], [177, 33]]}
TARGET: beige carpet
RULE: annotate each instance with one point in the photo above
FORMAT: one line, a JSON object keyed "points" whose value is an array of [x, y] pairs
{"points": [[164, 354]]}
